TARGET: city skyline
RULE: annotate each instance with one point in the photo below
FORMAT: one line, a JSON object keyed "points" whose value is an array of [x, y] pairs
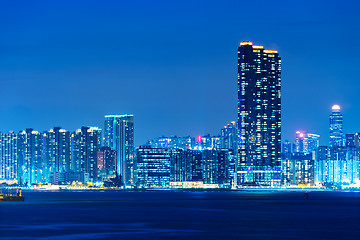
{"points": [[119, 71]]}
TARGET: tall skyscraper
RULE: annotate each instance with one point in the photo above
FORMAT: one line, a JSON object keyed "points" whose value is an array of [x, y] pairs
{"points": [[336, 127], [84, 151], [119, 136], [30, 153], [57, 150], [9, 156], [259, 109]]}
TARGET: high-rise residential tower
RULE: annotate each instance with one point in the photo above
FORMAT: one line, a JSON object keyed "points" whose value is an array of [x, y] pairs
{"points": [[336, 127], [57, 150], [30, 154], [84, 151], [259, 110], [119, 136], [9, 156]]}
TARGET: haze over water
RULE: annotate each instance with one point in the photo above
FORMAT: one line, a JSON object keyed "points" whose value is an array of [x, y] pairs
{"points": [[182, 215]]}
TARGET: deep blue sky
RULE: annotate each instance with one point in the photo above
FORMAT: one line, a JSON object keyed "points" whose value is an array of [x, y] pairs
{"points": [[173, 64]]}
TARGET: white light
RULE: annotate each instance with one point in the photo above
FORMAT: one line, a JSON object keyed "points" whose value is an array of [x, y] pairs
{"points": [[335, 107]]}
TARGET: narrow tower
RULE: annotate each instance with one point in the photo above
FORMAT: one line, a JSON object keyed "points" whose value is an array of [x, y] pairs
{"points": [[336, 127]]}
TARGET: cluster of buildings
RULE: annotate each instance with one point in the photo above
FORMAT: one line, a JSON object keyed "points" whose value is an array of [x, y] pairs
{"points": [[248, 152], [308, 163], [60, 156], [205, 161]]}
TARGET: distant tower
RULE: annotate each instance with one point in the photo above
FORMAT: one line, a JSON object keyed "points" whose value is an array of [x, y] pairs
{"points": [[299, 142], [336, 127]]}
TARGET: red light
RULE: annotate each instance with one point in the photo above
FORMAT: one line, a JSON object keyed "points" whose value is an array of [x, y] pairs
{"points": [[199, 138]]}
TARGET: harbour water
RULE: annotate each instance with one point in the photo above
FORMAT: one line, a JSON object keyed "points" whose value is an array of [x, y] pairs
{"points": [[182, 215]]}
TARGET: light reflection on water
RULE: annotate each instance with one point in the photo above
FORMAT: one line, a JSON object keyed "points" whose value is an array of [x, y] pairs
{"points": [[178, 215]]}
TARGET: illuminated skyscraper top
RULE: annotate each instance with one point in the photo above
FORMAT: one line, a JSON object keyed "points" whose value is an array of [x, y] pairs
{"points": [[336, 127], [259, 106]]}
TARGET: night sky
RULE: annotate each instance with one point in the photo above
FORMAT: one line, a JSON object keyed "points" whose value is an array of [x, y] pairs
{"points": [[173, 64]]}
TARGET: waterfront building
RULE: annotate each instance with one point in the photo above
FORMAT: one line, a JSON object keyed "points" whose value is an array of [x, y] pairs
{"points": [[69, 177], [119, 136], [298, 169], [259, 114], [30, 154], [215, 166], [106, 163], [9, 165], [84, 151], [57, 150], [159, 167], [194, 159], [337, 165], [336, 127], [153, 167]]}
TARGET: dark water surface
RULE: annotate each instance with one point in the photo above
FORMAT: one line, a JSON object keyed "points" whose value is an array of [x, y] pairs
{"points": [[182, 215]]}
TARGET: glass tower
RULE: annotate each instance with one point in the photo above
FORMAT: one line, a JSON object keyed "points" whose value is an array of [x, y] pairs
{"points": [[259, 109], [119, 136], [336, 127]]}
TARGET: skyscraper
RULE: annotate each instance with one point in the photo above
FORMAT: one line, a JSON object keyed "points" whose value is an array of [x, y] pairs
{"points": [[9, 156], [57, 150], [336, 127], [84, 151], [259, 110], [30, 153], [119, 136]]}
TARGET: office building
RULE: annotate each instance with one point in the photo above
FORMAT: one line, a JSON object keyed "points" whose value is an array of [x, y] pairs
{"points": [[336, 127], [153, 167], [259, 113]]}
